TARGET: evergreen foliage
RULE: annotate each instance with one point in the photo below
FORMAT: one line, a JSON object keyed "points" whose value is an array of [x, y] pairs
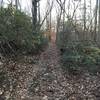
{"points": [[84, 55], [16, 32]]}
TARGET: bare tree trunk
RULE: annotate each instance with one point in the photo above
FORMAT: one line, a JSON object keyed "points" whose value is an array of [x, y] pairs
{"points": [[1, 3], [58, 20], [48, 19], [90, 23], [84, 16], [34, 14], [95, 27], [16, 3], [11, 3], [90, 16], [68, 7], [39, 12], [84, 21], [99, 19], [74, 14], [64, 14], [19, 4], [59, 14], [47, 14]]}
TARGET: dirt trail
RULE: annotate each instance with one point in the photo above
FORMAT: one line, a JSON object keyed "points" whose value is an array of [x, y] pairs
{"points": [[51, 76], [46, 73], [47, 76]]}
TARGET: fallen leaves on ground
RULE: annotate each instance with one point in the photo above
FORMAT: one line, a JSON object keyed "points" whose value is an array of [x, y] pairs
{"points": [[42, 78]]}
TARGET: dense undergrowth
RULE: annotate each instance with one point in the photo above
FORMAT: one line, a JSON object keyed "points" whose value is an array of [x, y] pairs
{"points": [[16, 33], [81, 55]]}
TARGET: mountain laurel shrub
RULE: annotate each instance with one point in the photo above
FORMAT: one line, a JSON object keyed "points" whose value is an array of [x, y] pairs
{"points": [[16, 32], [80, 55]]}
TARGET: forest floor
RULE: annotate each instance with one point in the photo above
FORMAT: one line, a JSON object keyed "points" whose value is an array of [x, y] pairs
{"points": [[42, 78]]}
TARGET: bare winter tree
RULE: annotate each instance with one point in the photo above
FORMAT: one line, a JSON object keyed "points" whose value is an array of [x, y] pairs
{"points": [[1, 3], [48, 19], [34, 13], [16, 3], [68, 7], [48, 11], [84, 15], [99, 17], [95, 27], [39, 19], [90, 16], [62, 13]]}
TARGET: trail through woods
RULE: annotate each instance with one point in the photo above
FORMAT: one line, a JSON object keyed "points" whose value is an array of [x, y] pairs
{"points": [[42, 78], [30, 69], [50, 83]]}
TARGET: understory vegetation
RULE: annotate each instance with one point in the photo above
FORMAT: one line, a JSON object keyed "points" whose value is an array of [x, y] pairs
{"points": [[77, 53], [16, 33], [81, 55]]}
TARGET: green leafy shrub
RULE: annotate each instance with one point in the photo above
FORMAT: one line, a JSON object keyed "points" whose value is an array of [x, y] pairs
{"points": [[16, 32], [36, 44], [15, 27], [82, 55]]}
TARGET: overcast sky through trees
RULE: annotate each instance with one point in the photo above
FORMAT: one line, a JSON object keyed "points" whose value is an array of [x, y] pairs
{"points": [[26, 6]]}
